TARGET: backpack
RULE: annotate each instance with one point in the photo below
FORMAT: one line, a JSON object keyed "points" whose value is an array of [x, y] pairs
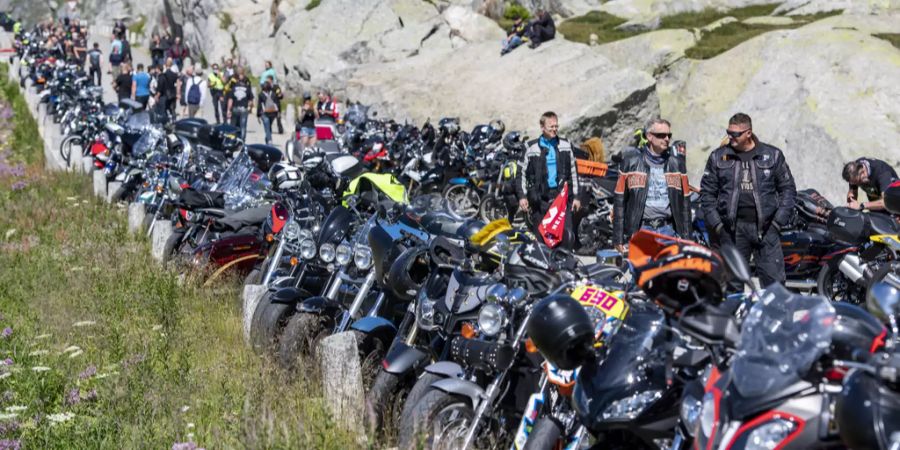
{"points": [[194, 94], [116, 56]]}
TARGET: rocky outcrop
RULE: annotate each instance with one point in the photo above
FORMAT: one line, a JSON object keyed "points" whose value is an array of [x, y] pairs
{"points": [[651, 52], [792, 7], [593, 95], [824, 94]]}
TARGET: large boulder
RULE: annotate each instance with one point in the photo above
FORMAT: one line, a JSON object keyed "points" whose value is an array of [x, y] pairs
{"points": [[793, 7], [651, 52], [592, 95], [642, 10], [825, 95]]}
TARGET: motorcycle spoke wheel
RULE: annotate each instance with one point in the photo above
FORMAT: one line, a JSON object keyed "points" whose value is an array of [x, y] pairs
{"points": [[463, 201]]}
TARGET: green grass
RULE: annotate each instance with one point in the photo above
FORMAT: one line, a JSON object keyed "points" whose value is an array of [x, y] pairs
{"points": [[893, 38], [138, 360], [225, 21], [703, 18], [603, 24], [313, 4], [729, 36], [23, 127]]}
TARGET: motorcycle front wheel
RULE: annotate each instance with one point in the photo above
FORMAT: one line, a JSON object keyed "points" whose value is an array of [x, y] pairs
{"points": [[439, 421], [462, 200], [834, 285], [299, 338], [493, 208]]}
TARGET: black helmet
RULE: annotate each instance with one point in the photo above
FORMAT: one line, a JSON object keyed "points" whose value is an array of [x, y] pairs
{"points": [[408, 273], [562, 331], [264, 156], [856, 333], [449, 125], [514, 142], [892, 198], [497, 129], [882, 293], [678, 273], [469, 228]]}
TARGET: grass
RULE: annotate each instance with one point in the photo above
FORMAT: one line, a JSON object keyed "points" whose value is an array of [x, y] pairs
{"points": [[104, 350], [313, 4], [23, 128], [729, 36], [893, 38]]}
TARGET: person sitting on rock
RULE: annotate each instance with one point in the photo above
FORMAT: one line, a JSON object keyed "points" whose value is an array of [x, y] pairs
{"points": [[541, 29], [514, 37]]}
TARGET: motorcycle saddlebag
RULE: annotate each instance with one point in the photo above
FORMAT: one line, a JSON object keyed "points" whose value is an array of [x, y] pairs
{"points": [[193, 199], [848, 225]]}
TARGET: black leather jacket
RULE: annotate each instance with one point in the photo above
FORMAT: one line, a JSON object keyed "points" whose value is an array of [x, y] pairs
{"points": [[631, 194], [774, 188]]}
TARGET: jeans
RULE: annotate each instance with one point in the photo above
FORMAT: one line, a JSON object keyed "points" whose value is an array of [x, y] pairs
{"points": [[95, 71], [142, 99], [239, 119], [667, 230], [514, 41], [218, 104], [267, 126]]}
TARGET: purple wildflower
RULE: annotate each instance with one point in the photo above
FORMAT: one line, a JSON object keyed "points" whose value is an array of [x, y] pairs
{"points": [[185, 446], [7, 362], [90, 371], [91, 395], [8, 427], [19, 185], [10, 444], [73, 397], [135, 359], [7, 332]]}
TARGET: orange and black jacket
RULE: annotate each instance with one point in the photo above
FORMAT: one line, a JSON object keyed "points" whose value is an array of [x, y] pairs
{"points": [[631, 194]]}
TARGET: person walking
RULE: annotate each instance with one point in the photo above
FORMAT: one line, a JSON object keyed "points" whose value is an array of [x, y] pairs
{"points": [[279, 98], [652, 190], [268, 75], [168, 95], [157, 50], [95, 71], [747, 195], [123, 83], [140, 86], [240, 101], [306, 123], [116, 57], [873, 176], [178, 52], [195, 92], [548, 164], [216, 89], [267, 109]]}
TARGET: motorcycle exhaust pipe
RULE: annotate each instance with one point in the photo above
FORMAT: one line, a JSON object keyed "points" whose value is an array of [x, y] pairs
{"points": [[852, 268]]}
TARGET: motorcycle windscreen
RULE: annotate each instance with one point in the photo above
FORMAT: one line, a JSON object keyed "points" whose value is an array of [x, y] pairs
{"points": [[782, 336]]}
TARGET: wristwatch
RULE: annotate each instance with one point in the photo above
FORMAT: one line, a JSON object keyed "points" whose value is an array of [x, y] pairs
{"points": [[862, 206]]}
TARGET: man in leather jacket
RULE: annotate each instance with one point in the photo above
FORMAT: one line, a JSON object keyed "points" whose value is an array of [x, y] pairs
{"points": [[747, 196], [548, 163], [652, 191]]}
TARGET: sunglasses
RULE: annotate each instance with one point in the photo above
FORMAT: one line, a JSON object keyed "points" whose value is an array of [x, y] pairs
{"points": [[736, 134], [661, 135]]}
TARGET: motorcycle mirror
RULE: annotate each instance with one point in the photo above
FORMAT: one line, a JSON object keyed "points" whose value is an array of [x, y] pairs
{"points": [[516, 295], [883, 301], [736, 263]]}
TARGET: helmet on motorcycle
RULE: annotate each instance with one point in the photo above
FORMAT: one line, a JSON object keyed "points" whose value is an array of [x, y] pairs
{"points": [[469, 228], [497, 129], [676, 273], [892, 198], [562, 331], [264, 156], [856, 333], [284, 177], [408, 273], [449, 126], [880, 295], [514, 142]]}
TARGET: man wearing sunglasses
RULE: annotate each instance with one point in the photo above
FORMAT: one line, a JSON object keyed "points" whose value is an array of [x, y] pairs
{"points": [[652, 191], [873, 176], [747, 196]]}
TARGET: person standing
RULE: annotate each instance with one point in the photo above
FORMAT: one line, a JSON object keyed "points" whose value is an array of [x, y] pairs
{"points": [[267, 109], [873, 176], [157, 50], [306, 123], [268, 75], [279, 98], [94, 57], [168, 90], [548, 164], [123, 83], [178, 52], [747, 195], [116, 57], [195, 92], [326, 107], [240, 101], [652, 191], [216, 88], [140, 88]]}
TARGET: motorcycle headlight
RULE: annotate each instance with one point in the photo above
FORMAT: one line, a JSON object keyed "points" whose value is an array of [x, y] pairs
{"points": [[305, 235], [491, 319], [708, 415], [630, 407], [770, 435], [307, 249], [343, 254], [362, 257], [291, 230], [690, 412], [326, 252], [425, 313]]}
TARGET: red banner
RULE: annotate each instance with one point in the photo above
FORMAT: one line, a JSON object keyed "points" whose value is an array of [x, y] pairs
{"points": [[553, 225]]}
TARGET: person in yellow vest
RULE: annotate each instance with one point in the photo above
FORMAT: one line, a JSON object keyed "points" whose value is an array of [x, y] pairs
{"points": [[216, 92]]}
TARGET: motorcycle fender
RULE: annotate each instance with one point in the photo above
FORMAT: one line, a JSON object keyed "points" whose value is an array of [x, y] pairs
{"points": [[318, 305], [446, 368], [281, 282], [403, 358], [464, 388], [375, 328]]}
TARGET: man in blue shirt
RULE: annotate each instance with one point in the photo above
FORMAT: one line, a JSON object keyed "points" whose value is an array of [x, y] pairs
{"points": [[548, 164], [140, 86]]}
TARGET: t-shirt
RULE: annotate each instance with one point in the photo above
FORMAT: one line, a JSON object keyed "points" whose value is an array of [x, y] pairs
{"points": [[123, 85], [657, 206], [142, 84], [167, 84], [881, 175], [308, 119], [551, 145], [746, 203], [94, 55], [241, 93]]}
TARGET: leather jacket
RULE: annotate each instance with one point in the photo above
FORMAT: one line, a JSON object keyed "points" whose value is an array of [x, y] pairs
{"points": [[532, 182], [631, 194], [774, 190]]}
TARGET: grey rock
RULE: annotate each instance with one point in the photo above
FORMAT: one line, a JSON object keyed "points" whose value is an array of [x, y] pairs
{"points": [[249, 301], [99, 183], [161, 232], [342, 378], [111, 188], [136, 213]]}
